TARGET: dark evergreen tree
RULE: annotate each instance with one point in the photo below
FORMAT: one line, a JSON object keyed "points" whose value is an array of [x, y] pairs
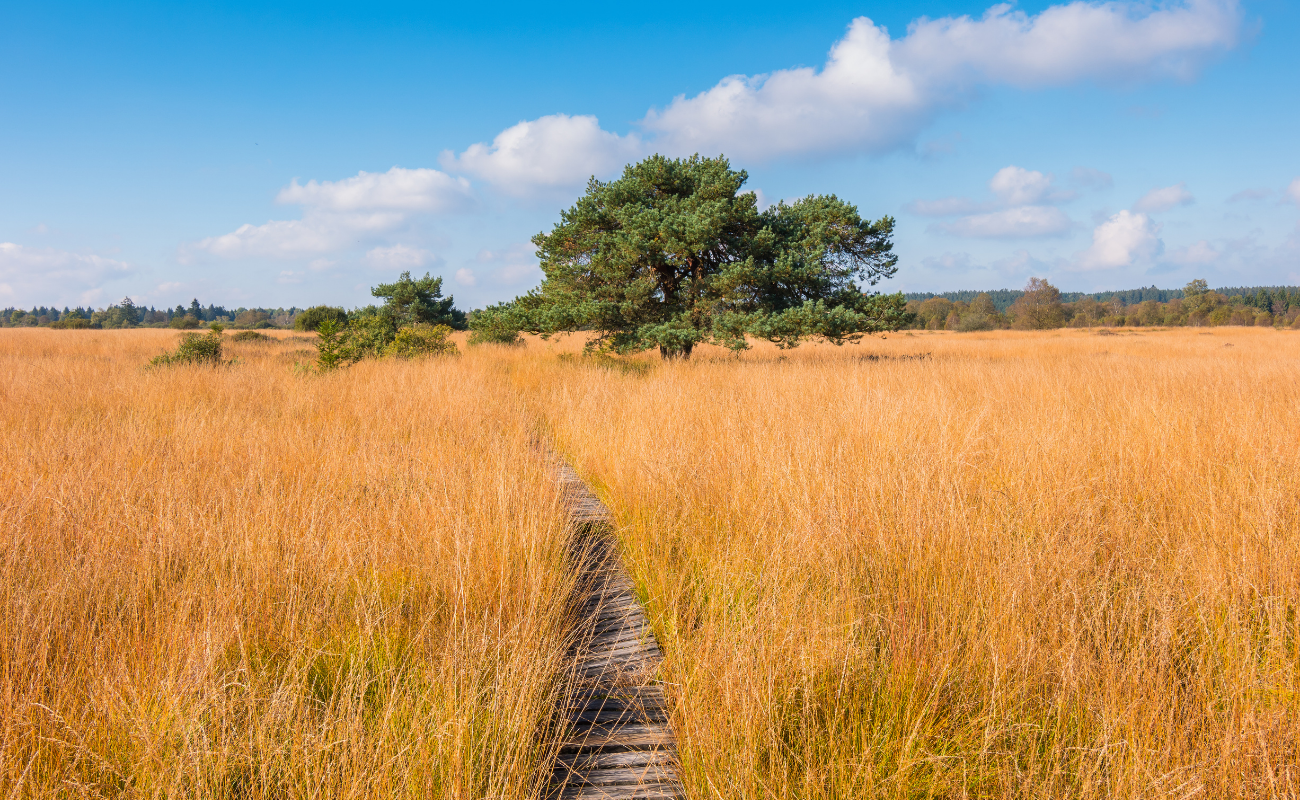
{"points": [[673, 254]]}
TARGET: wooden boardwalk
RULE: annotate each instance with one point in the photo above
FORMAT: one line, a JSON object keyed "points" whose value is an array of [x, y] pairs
{"points": [[620, 742]]}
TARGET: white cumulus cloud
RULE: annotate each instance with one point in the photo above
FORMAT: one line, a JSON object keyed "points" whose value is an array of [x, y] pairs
{"points": [[1122, 41], [339, 215], [1158, 200], [859, 98], [1124, 239], [45, 275], [1021, 208], [875, 93], [1017, 186], [397, 189], [1019, 222], [556, 151], [398, 257]]}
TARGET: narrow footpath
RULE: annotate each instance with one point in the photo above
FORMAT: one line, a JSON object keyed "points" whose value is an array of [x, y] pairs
{"points": [[620, 742]]}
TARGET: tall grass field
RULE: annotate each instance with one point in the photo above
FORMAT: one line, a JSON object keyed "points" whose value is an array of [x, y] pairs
{"points": [[933, 565]]}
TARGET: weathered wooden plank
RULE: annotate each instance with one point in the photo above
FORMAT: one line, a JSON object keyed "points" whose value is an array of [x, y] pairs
{"points": [[621, 657], [618, 760], [619, 742], [629, 776], [665, 791], [588, 701], [634, 736]]}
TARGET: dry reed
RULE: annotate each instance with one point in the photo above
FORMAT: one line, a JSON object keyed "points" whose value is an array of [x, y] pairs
{"points": [[1007, 565], [252, 582], [1002, 565]]}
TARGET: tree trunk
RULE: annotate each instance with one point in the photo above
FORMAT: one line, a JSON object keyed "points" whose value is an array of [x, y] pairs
{"points": [[683, 352]]}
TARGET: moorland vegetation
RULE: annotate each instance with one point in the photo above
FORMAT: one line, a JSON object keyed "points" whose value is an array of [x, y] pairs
{"points": [[932, 565], [1036, 563]]}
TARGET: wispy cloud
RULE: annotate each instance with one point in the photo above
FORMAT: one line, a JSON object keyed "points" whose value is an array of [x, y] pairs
{"points": [[1022, 206], [874, 93], [339, 215], [43, 275], [1158, 200]]}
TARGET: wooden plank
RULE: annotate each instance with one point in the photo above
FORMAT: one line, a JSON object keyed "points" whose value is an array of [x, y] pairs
{"points": [[619, 743], [666, 791], [625, 759], [634, 736], [629, 776]]}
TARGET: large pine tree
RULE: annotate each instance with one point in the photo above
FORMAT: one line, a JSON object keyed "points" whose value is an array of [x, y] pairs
{"points": [[673, 254]]}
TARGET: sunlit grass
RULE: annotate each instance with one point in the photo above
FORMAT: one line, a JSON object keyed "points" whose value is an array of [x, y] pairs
{"points": [[1033, 565], [251, 582], [935, 565]]}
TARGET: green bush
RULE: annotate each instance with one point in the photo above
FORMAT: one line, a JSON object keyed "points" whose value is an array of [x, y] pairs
{"points": [[498, 324], [250, 336], [194, 349], [250, 319], [421, 340], [311, 319], [331, 346], [974, 322], [187, 322], [72, 321]]}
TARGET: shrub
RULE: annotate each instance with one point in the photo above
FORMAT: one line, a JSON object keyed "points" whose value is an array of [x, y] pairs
{"points": [[251, 318], [194, 349], [187, 322], [330, 346], [250, 336], [495, 325], [421, 340], [311, 319], [71, 321], [975, 322]]}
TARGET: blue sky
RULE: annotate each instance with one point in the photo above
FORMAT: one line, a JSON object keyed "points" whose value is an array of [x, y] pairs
{"points": [[299, 154]]}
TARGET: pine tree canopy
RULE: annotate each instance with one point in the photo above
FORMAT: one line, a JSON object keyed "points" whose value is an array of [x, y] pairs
{"points": [[672, 254], [418, 301]]}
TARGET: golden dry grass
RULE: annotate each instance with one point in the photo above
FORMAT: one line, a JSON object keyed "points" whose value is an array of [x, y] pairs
{"points": [[1026, 565], [247, 582], [996, 565]]}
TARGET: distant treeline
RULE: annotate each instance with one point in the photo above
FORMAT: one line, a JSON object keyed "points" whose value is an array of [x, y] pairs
{"points": [[416, 300], [126, 314], [1003, 298], [1041, 305]]}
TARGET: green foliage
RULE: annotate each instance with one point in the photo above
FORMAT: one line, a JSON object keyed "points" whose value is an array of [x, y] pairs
{"points": [[411, 302], [73, 320], [421, 340], [194, 348], [497, 324], [252, 318], [311, 319], [330, 346], [187, 322], [369, 332], [672, 255], [1039, 307], [123, 315], [250, 336], [974, 322]]}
